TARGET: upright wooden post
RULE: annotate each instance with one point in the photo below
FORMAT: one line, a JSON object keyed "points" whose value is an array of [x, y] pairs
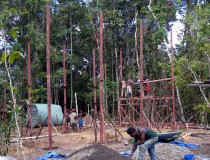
{"points": [[141, 73], [102, 129], [76, 103], [120, 65], [95, 102], [119, 101], [29, 84], [48, 73]]}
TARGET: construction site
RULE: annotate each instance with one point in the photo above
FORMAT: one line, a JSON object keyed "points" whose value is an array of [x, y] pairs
{"points": [[101, 137]]}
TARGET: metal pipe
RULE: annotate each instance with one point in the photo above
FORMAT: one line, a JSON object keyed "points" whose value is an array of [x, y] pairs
{"points": [[49, 101]]}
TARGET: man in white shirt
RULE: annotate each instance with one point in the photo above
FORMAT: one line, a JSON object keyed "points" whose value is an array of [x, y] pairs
{"points": [[73, 119]]}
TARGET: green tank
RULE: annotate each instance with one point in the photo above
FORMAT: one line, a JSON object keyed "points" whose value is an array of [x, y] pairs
{"points": [[39, 113]]}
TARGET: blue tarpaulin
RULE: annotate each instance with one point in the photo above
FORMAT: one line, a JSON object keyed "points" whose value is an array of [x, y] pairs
{"points": [[52, 155], [126, 153], [187, 145]]}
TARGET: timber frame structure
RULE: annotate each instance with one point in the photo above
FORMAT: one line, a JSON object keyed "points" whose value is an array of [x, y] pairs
{"points": [[151, 110]]}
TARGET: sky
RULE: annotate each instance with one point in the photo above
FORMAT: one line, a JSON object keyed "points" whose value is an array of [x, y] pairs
{"points": [[177, 30]]}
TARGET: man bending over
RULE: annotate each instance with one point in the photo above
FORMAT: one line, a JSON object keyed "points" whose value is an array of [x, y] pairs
{"points": [[146, 138]]}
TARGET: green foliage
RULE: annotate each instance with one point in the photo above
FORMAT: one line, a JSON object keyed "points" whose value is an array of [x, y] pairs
{"points": [[13, 32], [4, 137], [202, 107], [159, 35], [58, 74], [7, 126], [110, 87], [39, 94], [4, 55], [14, 55]]}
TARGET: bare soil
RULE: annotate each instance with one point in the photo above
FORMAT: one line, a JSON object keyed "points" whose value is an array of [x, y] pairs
{"points": [[69, 143], [201, 137]]}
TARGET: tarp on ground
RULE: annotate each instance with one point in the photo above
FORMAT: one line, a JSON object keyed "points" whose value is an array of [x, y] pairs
{"points": [[52, 155]]}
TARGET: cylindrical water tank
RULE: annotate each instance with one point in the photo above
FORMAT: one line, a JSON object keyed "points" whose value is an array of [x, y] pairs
{"points": [[39, 114]]}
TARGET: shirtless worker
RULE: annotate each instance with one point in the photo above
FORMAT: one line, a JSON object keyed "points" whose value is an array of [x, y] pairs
{"points": [[144, 137]]}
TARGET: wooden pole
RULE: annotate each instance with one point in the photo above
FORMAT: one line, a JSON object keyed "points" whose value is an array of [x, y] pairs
{"points": [[29, 84], [102, 129], [141, 73], [76, 104], [64, 83], [95, 102], [48, 73], [121, 66], [173, 84]]}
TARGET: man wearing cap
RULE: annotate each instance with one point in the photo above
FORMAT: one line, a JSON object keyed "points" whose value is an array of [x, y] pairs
{"points": [[146, 138], [73, 119]]}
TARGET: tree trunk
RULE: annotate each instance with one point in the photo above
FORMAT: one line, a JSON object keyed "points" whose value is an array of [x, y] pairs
{"points": [[136, 37], [14, 104], [180, 105], [105, 91]]}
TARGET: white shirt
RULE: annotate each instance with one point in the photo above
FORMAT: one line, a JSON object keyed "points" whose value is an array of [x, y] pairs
{"points": [[72, 117]]}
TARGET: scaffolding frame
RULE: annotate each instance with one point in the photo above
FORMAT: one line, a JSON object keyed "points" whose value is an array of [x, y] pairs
{"points": [[132, 107]]}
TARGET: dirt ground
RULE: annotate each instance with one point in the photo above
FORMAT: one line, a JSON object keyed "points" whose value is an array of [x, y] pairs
{"points": [[201, 137], [67, 143]]}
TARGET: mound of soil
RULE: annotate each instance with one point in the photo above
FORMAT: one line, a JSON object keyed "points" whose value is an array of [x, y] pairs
{"points": [[96, 152]]}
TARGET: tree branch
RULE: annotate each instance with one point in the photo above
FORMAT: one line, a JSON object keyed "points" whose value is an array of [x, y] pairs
{"points": [[195, 77]]}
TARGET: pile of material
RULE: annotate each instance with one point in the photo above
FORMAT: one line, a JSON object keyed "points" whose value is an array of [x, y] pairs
{"points": [[96, 152], [166, 151]]}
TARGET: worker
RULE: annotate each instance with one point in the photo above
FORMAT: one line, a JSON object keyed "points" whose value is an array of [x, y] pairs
{"points": [[123, 88], [138, 86], [147, 87], [129, 88], [68, 120], [80, 120], [73, 120], [146, 138]]}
